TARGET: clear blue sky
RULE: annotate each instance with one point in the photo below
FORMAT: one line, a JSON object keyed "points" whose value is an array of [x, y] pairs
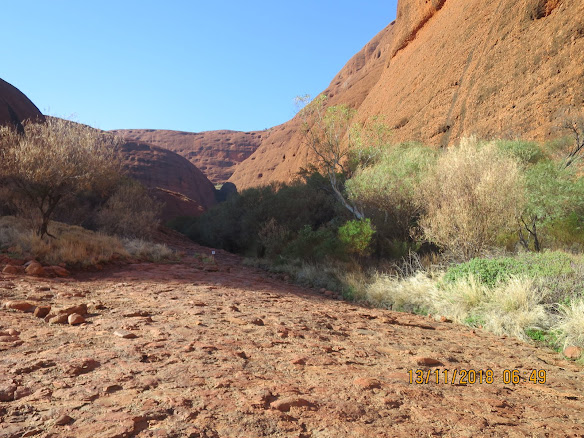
{"points": [[184, 65]]}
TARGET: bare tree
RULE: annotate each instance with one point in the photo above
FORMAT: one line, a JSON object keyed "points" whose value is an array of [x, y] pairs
{"points": [[574, 124], [327, 134], [54, 161]]}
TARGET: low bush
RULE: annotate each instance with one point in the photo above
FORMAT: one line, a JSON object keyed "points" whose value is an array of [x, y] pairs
{"points": [[492, 271], [357, 235]]}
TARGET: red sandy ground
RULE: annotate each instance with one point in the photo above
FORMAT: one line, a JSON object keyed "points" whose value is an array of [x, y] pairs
{"points": [[223, 350]]}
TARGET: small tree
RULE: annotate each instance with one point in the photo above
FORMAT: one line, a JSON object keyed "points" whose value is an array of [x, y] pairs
{"points": [[325, 129], [574, 124], [55, 161]]}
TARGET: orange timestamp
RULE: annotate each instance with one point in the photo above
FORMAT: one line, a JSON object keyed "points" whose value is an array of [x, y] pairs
{"points": [[464, 377]]}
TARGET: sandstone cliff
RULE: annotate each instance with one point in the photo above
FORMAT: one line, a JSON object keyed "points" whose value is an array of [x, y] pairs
{"points": [[171, 178], [449, 68], [215, 153]]}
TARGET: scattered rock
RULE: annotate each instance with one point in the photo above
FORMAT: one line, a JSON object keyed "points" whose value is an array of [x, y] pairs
{"points": [[7, 392], [299, 360], [257, 321], [75, 319], [328, 293], [63, 420], [61, 316], [23, 306], [444, 319], [428, 362], [60, 271], [285, 404], [81, 366], [13, 270], [124, 334], [34, 268], [42, 311], [367, 383], [573, 352]]}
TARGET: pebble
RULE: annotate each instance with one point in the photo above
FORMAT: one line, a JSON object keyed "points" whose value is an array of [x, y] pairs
{"points": [[124, 334], [63, 420], [75, 319], [428, 362], [34, 268], [285, 404], [367, 383], [42, 311], [573, 352], [23, 306]]}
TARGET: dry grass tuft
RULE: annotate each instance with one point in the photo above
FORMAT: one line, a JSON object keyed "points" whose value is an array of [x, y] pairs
{"points": [[570, 324]]}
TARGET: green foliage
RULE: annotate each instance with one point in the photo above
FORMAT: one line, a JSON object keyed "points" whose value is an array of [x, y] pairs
{"points": [[525, 152], [315, 246], [388, 189], [263, 221], [357, 235], [491, 272]]}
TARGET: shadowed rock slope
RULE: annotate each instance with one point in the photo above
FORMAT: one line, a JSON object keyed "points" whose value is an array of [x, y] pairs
{"points": [[15, 107], [450, 68], [184, 189], [215, 153]]}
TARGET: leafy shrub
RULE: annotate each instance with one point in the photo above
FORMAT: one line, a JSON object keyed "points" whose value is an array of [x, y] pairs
{"points": [[356, 235], [491, 272], [315, 246], [472, 195], [525, 152]]}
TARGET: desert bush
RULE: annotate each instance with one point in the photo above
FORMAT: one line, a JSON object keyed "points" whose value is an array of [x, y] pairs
{"points": [[472, 195], [53, 162], [315, 245], [357, 235], [525, 152], [490, 272], [570, 324], [149, 251], [129, 212], [73, 245], [388, 190], [273, 237]]}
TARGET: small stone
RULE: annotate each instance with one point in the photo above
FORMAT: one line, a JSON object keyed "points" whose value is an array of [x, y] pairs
{"points": [[299, 360], [572, 352], [36, 269], [7, 392], [241, 354], [63, 420], [13, 270], [322, 290], [42, 311], [60, 271], [12, 332], [23, 306], [444, 319], [367, 383], [124, 334], [257, 321], [428, 362], [285, 404], [58, 319], [328, 293], [75, 319]]}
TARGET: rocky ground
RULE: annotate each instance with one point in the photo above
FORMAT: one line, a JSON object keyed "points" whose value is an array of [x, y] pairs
{"points": [[215, 349]]}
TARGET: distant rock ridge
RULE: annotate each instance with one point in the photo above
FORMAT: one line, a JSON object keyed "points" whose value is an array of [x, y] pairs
{"points": [[215, 153], [15, 107]]}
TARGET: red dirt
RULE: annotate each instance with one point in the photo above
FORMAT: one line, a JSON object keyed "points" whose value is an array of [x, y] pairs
{"points": [[209, 348]]}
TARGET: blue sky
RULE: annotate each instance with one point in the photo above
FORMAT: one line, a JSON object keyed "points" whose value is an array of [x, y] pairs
{"points": [[184, 65]]}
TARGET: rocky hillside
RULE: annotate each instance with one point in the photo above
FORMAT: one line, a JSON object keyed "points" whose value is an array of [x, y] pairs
{"points": [[449, 68], [215, 153], [184, 189], [15, 107]]}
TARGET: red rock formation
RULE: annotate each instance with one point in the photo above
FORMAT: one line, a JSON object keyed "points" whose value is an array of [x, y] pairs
{"points": [[215, 153], [15, 107], [171, 178], [450, 68]]}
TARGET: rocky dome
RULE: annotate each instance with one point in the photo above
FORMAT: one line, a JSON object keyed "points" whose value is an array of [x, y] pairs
{"points": [[215, 153], [445, 69], [15, 107], [184, 189]]}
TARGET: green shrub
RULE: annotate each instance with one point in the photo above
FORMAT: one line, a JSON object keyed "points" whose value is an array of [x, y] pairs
{"points": [[491, 272], [525, 152], [315, 246], [356, 235]]}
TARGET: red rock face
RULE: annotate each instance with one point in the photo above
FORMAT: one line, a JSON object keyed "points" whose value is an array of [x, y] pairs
{"points": [[15, 107], [215, 153], [452, 68], [171, 178]]}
